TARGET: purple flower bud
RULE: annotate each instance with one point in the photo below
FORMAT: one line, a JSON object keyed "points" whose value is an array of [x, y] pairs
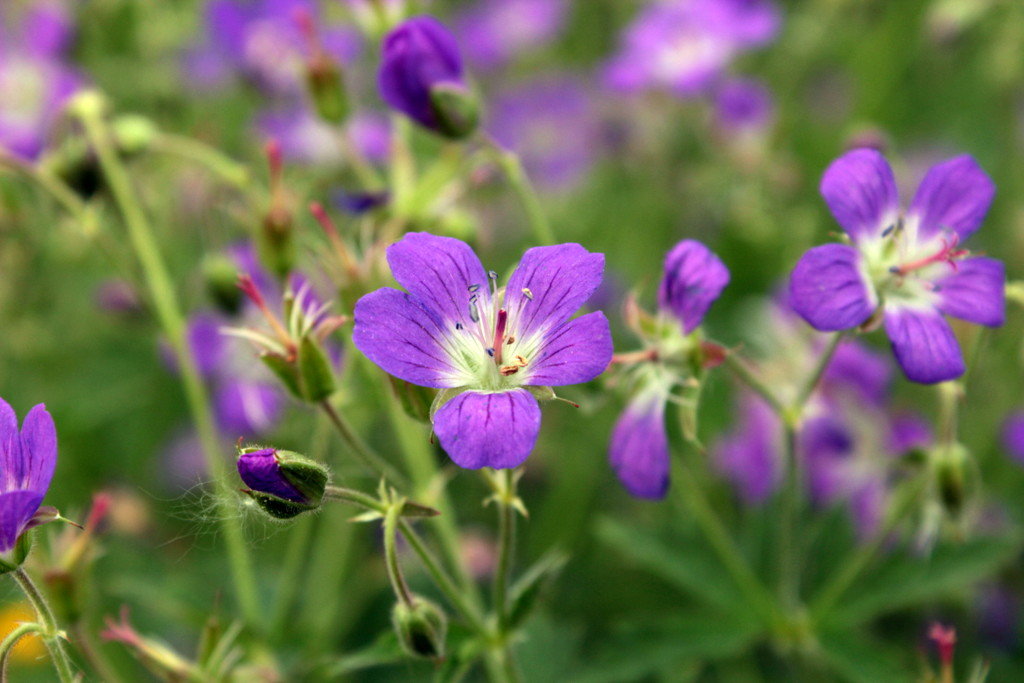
{"points": [[261, 471], [282, 483], [694, 278], [421, 75]]}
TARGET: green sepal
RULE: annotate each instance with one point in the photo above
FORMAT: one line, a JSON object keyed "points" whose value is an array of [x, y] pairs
{"points": [[220, 275], [276, 243], [285, 371], [315, 372], [327, 89], [456, 108], [421, 628], [279, 508], [307, 476]]}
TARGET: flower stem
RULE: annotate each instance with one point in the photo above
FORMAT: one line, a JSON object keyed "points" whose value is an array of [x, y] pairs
{"points": [[815, 378], [745, 374], [88, 108], [789, 549], [7, 646], [512, 166], [227, 169], [366, 455], [55, 187], [506, 548], [50, 634], [398, 583]]}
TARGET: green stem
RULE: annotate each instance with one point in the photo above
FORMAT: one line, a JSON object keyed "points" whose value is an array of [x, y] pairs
{"points": [[506, 548], [789, 550], [723, 545], [512, 166], [94, 654], [55, 187], [7, 646], [859, 559], [745, 374], [50, 634], [391, 518], [366, 455], [823, 362], [227, 169], [88, 108]]}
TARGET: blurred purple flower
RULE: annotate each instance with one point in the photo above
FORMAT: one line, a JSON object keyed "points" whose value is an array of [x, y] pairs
{"points": [[552, 124], [744, 107], [27, 461], [450, 331], [749, 454], [35, 80], [1013, 435], [493, 32], [910, 267], [684, 46]]}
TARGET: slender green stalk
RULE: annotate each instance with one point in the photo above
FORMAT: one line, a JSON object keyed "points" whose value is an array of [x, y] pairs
{"points": [[288, 583], [224, 167], [51, 635], [90, 649], [506, 548], [746, 375], [512, 166], [391, 518], [366, 455], [729, 555], [7, 646], [55, 187], [823, 362], [790, 561], [88, 108]]}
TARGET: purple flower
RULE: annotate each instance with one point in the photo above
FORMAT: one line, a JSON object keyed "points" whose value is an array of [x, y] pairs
{"points": [[261, 471], [749, 455], [1013, 435], [910, 268], [303, 136], [421, 75], [684, 45], [495, 31], [455, 330], [694, 277], [531, 120], [35, 80], [27, 460], [744, 106]]}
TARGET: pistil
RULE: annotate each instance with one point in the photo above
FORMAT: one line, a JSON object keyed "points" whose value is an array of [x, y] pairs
{"points": [[499, 335]]}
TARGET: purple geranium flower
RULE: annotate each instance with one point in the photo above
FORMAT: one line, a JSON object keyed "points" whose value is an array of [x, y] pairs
{"points": [[744, 107], [685, 45], [27, 460], [455, 330], [909, 268], [749, 455], [495, 31], [694, 278]]}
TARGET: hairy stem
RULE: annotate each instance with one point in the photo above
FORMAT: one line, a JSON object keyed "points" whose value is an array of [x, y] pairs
{"points": [[51, 635], [512, 166]]}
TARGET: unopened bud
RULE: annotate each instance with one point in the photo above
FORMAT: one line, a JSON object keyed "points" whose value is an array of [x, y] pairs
{"points": [[221, 277], [951, 478], [133, 134], [284, 484], [456, 109], [277, 240], [327, 88], [421, 627]]}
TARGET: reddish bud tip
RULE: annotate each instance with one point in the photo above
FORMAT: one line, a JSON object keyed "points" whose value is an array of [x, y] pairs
{"points": [[944, 638]]}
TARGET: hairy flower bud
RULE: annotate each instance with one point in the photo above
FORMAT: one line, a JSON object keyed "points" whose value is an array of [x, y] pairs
{"points": [[421, 627], [284, 484], [456, 110]]}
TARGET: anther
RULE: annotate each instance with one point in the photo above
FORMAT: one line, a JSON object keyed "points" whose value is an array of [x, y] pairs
{"points": [[458, 326], [474, 287], [527, 293], [490, 352]]}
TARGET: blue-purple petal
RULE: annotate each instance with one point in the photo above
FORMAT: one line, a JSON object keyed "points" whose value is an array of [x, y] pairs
{"points": [[16, 508], [828, 289], [954, 195], [976, 292], [261, 472], [398, 333], [549, 285], [495, 430], [10, 445], [860, 189], [245, 407], [38, 451], [924, 344], [576, 352], [1013, 436], [858, 368], [826, 446], [639, 448], [694, 277], [443, 273], [909, 431], [749, 455]]}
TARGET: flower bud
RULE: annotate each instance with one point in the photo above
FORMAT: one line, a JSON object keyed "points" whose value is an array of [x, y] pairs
{"points": [[133, 134], [421, 76], [284, 484], [220, 274], [327, 89], [951, 479], [421, 627]]}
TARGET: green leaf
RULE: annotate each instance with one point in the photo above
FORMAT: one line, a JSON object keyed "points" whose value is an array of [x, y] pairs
{"points": [[689, 566], [906, 580], [525, 591], [384, 650], [860, 660]]}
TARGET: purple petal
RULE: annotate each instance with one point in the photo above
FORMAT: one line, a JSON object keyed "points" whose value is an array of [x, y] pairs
{"points": [[954, 195], [207, 343], [856, 367], [574, 353], [744, 106], [867, 505], [924, 344], [404, 338], [639, 448], [976, 292], [860, 189], [549, 285], [10, 448], [749, 455], [826, 446], [488, 430], [245, 407], [226, 23], [16, 508], [909, 431], [443, 273], [261, 472], [828, 290], [694, 278], [38, 451], [1013, 436]]}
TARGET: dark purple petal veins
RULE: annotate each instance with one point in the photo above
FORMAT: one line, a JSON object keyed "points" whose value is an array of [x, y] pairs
{"points": [[576, 352], [954, 195], [694, 278], [549, 285], [860, 189], [924, 344], [496, 430], [828, 290]]}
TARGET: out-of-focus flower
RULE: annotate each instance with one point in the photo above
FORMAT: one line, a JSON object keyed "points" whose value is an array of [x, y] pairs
{"points": [[27, 460], [421, 75], [908, 269], [118, 297], [684, 46], [749, 455], [29, 649], [693, 278], [744, 107], [532, 121], [454, 329], [493, 32], [1013, 435], [35, 80]]}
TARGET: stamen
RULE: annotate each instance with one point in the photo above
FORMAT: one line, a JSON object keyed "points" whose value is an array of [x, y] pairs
{"points": [[527, 293], [509, 370], [246, 284], [458, 326], [490, 352], [948, 253], [511, 340], [474, 314], [474, 287]]}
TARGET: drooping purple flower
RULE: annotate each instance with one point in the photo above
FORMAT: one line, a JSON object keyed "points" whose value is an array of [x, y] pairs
{"points": [[684, 46], [910, 268], [744, 107], [27, 461], [693, 278], [261, 471], [421, 75], [749, 454], [531, 120], [1013, 435], [35, 80], [454, 329], [495, 31]]}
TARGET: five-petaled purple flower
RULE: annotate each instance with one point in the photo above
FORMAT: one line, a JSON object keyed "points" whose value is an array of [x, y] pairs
{"points": [[684, 46], [421, 75], [456, 330], [694, 277], [27, 460], [495, 31], [910, 269]]}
